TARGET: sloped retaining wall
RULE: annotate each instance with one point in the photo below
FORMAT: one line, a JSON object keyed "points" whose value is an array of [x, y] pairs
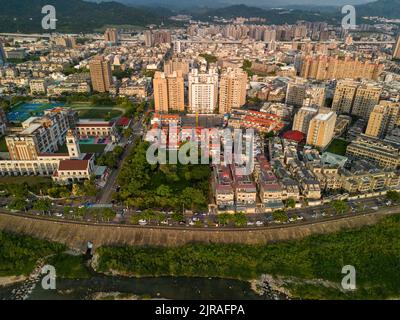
{"points": [[76, 234]]}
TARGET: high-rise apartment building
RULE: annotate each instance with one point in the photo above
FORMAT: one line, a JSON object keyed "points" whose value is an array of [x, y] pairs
{"points": [[64, 41], [366, 98], [160, 89], [176, 91], [111, 35], [396, 48], [177, 64], [152, 38], [383, 119], [322, 67], [315, 96], [162, 36], [321, 128], [100, 73], [344, 96], [203, 91], [148, 38], [269, 35], [232, 91], [169, 92], [302, 119], [295, 94]]}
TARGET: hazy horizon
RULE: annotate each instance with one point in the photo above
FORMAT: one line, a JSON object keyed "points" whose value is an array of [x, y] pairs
{"points": [[259, 3]]}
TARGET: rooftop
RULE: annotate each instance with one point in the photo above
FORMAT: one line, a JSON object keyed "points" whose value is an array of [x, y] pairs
{"points": [[68, 165]]}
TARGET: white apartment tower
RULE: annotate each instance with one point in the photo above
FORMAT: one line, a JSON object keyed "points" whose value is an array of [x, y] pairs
{"points": [[203, 91]]}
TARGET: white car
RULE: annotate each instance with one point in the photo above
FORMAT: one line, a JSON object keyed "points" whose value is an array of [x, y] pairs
{"points": [[250, 223], [142, 222], [300, 218], [259, 223], [57, 214]]}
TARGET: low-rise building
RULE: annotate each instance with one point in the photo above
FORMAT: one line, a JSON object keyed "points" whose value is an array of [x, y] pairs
{"points": [[95, 128], [383, 153], [222, 185]]}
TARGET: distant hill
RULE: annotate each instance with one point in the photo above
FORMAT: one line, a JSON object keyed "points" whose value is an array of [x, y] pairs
{"points": [[74, 15], [82, 16], [383, 8], [273, 16]]}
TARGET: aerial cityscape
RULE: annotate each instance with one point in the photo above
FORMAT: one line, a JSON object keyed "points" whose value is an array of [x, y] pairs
{"points": [[199, 151]]}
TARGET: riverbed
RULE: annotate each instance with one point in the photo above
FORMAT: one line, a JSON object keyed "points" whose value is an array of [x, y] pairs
{"points": [[145, 288]]}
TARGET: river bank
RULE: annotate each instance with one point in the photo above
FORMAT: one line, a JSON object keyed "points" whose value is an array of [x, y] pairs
{"points": [[310, 268], [6, 281]]}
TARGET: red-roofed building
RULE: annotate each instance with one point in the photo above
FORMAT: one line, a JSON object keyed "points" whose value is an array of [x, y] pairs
{"points": [[260, 121], [124, 122], [294, 135], [73, 170]]}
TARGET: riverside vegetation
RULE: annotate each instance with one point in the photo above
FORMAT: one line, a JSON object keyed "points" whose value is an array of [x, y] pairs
{"points": [[374, 251], [312, 266]]}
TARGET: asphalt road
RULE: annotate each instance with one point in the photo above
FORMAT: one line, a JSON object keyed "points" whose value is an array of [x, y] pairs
{"points": [[385, 211], [105, 195]]}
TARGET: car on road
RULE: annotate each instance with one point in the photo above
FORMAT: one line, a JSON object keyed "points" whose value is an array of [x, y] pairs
{"points": [[250, 223], [259, 223], [142, 222], [58, 214]]}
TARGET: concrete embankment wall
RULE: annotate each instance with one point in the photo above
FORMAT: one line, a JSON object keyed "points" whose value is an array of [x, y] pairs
{"points": [[76, 235]]}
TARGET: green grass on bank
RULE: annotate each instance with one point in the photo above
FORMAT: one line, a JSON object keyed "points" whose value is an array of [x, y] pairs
{"points": [[374, 251], [19, 254], [70, 267], [338, 146]]}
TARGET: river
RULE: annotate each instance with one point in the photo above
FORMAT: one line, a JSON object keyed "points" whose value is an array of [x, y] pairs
{"points": [[152, 287]]}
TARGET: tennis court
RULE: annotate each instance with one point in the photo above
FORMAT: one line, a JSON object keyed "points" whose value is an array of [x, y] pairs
{"points": [[23, 111]]}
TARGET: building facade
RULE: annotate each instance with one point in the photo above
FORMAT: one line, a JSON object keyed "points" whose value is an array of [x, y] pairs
{"points": [[100, 74], [232, 91], [321, 129], [203, 91]]}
